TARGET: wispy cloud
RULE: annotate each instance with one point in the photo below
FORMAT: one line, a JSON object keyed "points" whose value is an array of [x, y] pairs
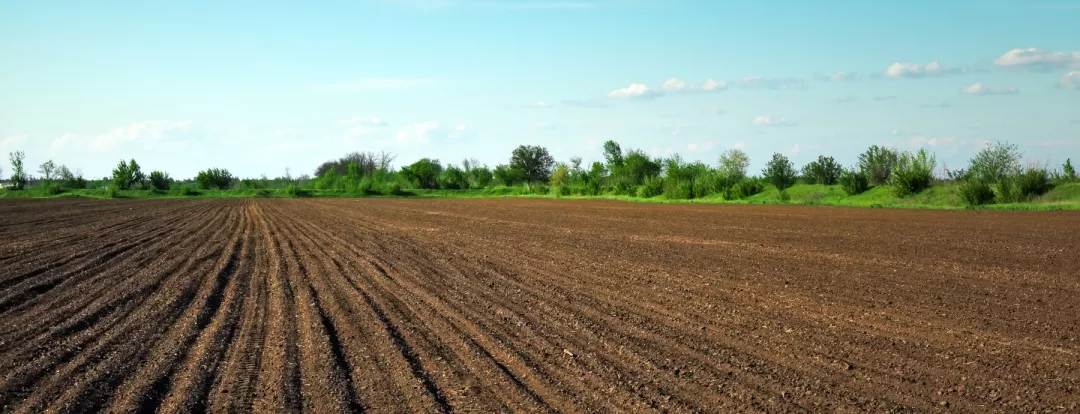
{"points": [[920, 141], [758, 82], [839, 77], [765, 120], [848, 99], [914, 70], [1070, 80], [577, 103], [979, 88], [1037, 59], [374, 84], [671, 86]]}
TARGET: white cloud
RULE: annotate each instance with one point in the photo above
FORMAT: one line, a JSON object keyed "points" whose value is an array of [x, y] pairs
{"points": [[1033, 58], [1070, 80], [795, 150], [637, 90], [840, 77], [12, 143], [585, 104], [914, 70], [901, 132], [701, 147], [369, 84], [543, 126], [978, 88], [764, 120], [363, 120], [739, 145], [539, 105], [713, 85], [931, 142], [673, 85], [145, 131], [676, 131], [416, 134], [758, 82], [715, 111]]}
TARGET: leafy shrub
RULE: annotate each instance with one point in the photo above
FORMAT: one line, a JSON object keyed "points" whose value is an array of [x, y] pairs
{"points": [[878, 163], [219, 178], [1034, 182], [749, 187], [262, 193], [780, 172], [127, 174], [560, 190], [454, 178], [160, 180], [294, 191], [52, 188], [825, 170], [393, 188], [652, 187], [1068, 172], [976, 192], [112, 192], [189, 191], [1007, 189], [913, 173], [996, 162], [679, 190], [423, 173], [733, 164], [71, 180], [508, 176], [784, 196], [854, 182]]}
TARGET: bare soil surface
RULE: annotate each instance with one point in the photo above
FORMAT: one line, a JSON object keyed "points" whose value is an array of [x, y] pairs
{"points": [[521, 305]]}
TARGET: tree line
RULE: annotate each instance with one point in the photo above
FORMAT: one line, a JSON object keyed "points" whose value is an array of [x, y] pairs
{"points": [[995, 174]]}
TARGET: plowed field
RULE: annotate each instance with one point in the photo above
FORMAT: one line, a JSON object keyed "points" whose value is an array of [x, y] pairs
{"points": [[533, 305]]}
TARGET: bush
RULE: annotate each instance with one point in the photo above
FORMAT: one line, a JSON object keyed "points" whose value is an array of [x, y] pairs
{"points": [[189, 191], [825, 170], [128, 174], [995, 162], [976, 192], [652, 187], [219, 178], [294, 191], [733, 164], [854, 182], [1007, 190], [454, 178], [878, 163], [780, 172], [160, 180], [784, 196], [913, 173], [749, 187], [1068, 172], [1034, 182], [423, 173], [679, 190], [393, 188], [560, 190]]}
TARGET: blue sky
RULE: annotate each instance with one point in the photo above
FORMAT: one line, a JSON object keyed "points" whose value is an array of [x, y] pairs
{"points": [[258, 86]]}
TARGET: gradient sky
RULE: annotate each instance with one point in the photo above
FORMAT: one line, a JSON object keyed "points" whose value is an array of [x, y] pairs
{"points": [[258, 86]]}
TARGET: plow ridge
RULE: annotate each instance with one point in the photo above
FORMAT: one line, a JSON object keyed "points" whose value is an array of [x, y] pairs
{"points": [[532, 306]]}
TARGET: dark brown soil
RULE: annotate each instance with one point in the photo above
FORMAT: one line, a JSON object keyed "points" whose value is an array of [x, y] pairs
{"points": [[533, 305]]}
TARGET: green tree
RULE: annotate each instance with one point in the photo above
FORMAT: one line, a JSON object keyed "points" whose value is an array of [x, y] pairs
{"points": [[913, 173], [127, 174], [995, 163], [71, 180], [878, 162], [637, 166], [508, 176], [423, 173], [733, 164], [48, 172], [613, 154], [780, 172], [160, 180], [534, 161], [825, 170], [561, 175], [219, 178], [454, 178], [1069, 171], [18, 170]]}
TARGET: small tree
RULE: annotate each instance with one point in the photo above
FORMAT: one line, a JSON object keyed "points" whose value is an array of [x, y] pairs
{"points": [[18, 171], [454, 178], [48, 172], [878, 162], [780, 172], [219, 178], [71, 180], [1069, 171], [733, 164], [508, 176], [613, 154], [825, 170], [160, 180], [854, 182], [913, 173], [534, 161], [996, 162], [423, 173]]}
